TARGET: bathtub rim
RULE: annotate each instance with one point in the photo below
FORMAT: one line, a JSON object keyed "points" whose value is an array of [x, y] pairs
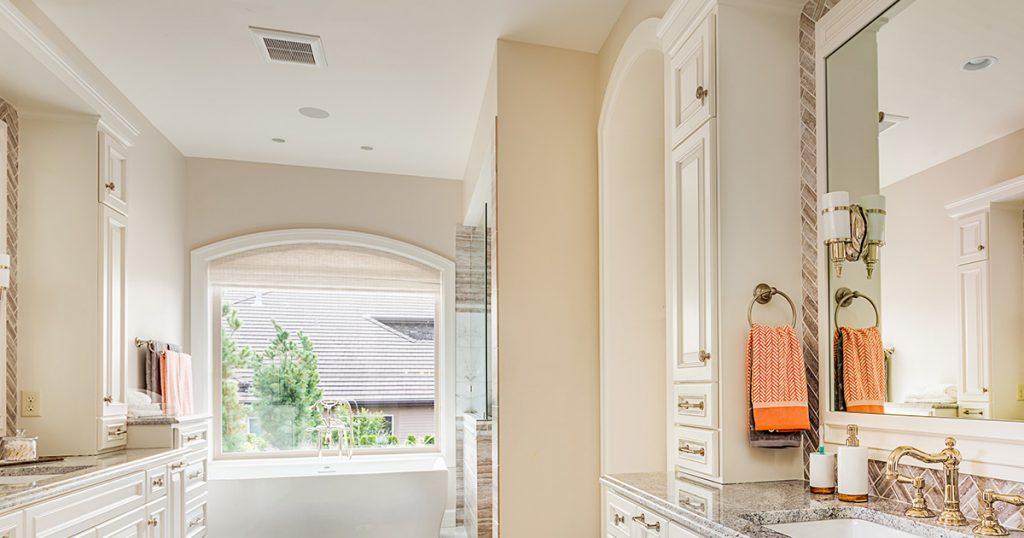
{"points": [[250, 468]]}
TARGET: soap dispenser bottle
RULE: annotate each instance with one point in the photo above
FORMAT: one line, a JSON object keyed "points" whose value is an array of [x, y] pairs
{"points": [[853, 468]]}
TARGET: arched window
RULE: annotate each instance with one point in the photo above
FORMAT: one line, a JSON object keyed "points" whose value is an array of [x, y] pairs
{"points": [[302, 317]]}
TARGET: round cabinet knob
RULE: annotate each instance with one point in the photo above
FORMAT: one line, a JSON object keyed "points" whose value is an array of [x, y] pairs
{"points": [[981, 248], [110, 186], [108, 399], [703, 356], [702, 93], [152, 522]]}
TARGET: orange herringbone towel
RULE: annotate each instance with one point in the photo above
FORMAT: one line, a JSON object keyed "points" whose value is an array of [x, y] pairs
{"points": [[863, 369], [777, 379]]}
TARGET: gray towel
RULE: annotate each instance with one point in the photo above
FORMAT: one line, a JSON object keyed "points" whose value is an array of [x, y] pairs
{"points": [[151, 358]]}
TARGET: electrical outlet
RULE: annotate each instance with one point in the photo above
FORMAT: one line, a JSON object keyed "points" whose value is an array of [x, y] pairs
{"points": [[1020, 393], [30, 403]]}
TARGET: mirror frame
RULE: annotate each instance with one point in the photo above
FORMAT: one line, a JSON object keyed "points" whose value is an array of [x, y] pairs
{"points": [[990, 448]]}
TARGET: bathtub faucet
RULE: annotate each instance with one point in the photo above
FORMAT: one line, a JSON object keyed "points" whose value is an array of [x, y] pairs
{"points": [[330, 422]]}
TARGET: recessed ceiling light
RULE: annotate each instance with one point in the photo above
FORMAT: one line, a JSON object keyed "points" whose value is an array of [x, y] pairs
{"points": [[366, 148], [979, 63], [314, 112], [278, 140]]}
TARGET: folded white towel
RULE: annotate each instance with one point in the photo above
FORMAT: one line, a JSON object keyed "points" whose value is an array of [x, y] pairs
{"points": [[136, 397], [934, 394], [134, 412]]}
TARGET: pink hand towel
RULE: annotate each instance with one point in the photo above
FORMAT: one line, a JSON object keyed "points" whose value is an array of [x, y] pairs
{"points": [[176, 382]]}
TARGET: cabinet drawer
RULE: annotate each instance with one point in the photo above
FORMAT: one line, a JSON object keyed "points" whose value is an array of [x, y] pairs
{"points": [[692, 72], [696, 450], [696, 404], [195, 517], [113, 432], [195, 474], [87, 508], [156, 482], [616, 515], [648, 524], [13, 525], [973, 410], [194, 436], [692, 496]]}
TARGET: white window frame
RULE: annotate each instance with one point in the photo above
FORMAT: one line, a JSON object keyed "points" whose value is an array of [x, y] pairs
{"points": [[205, 342]]}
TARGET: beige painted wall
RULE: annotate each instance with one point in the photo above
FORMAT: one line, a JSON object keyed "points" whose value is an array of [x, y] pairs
{"points": [[920, 257], [232, 198], [547, 302], [477, 183], [633, 296]]}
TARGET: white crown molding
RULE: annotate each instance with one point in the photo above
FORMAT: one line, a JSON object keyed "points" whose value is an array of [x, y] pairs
{"points": [[21, 28], [1008, 191]]}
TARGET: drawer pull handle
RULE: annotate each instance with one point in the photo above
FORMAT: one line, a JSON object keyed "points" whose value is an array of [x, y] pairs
{"points": [[688, 502], [178, 466], [618, 519], [158, 482], [196, 521], [973, 412], [152, 522], [685, 448], [641, 519], [685, 405], [194, 475], [108, 399], [193, 437], [703, 356], [702, 94]]}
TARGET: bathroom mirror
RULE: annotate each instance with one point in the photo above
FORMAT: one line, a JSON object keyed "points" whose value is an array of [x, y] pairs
{"points": [[924, 108]]}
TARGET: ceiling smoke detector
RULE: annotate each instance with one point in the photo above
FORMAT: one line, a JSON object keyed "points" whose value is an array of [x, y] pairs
{"points": [[289, 47]]}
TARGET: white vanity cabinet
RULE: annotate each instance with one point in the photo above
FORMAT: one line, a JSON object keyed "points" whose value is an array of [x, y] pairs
{"points": [[730, 179], [113, 342], [113, 173], [12, 525], [624, 518]]}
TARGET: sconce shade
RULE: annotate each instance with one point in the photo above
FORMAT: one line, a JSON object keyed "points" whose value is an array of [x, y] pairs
{"points": [[874, 208], [835, 218]]}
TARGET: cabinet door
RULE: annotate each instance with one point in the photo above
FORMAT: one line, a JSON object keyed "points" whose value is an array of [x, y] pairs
{"points": [[113, 173], [157, 519], [12, 525], [131, 525], [114, 344], [972, 242], [972, 306], [692, 88], [692, 255]]}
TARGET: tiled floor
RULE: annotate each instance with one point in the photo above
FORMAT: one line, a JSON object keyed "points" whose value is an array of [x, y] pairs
{"points": [[453, 532]]}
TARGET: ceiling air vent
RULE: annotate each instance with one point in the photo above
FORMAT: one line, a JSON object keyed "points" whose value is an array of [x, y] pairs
{"points": [[289, 47]]}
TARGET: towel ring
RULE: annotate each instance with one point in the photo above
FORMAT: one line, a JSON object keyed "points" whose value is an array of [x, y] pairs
{"points": [[763, 294], [845, 297]]}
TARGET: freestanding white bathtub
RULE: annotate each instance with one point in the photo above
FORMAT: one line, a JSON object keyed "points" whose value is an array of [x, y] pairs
{"points": [[366, 497]]}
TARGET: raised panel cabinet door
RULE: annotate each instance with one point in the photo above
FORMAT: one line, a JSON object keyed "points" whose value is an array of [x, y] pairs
{"points": [[973, 313], [692, 255], [972, 242], [131, 525], [12, 525], [157, 519], [113, 340], [113, 173], [692, 80]]}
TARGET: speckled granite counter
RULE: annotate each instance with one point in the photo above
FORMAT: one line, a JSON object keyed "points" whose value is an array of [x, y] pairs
{"points": [[86, 471], [152, 420], [742, 510]]}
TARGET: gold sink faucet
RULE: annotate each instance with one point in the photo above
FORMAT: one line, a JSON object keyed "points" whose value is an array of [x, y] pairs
{"points": [[950, 458], [989, 525]]}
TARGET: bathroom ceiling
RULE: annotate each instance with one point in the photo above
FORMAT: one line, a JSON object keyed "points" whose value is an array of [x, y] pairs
{"points": [[406, 77], [951, 111]]}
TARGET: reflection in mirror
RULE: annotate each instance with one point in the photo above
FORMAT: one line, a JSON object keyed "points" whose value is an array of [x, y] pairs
{"points": [[924, 108]]}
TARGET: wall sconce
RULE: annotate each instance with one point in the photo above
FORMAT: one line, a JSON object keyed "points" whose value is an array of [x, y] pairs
{"points": [[853, 231], [5, 271]]}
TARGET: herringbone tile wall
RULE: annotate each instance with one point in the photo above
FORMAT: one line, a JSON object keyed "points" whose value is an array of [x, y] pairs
{"points": [[970, 485], [10, 298]]}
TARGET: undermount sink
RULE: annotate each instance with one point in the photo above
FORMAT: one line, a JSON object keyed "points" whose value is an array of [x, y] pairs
{"points": [[839, 528], [34, 473]]}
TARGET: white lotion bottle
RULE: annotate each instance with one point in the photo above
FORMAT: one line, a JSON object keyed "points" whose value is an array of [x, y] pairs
{"points": [[853, 469], [823, 472]]}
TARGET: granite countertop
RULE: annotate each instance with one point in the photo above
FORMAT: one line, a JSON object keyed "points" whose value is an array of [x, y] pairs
{"points": [[152, 420], [85, 471], [742, 510]]}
